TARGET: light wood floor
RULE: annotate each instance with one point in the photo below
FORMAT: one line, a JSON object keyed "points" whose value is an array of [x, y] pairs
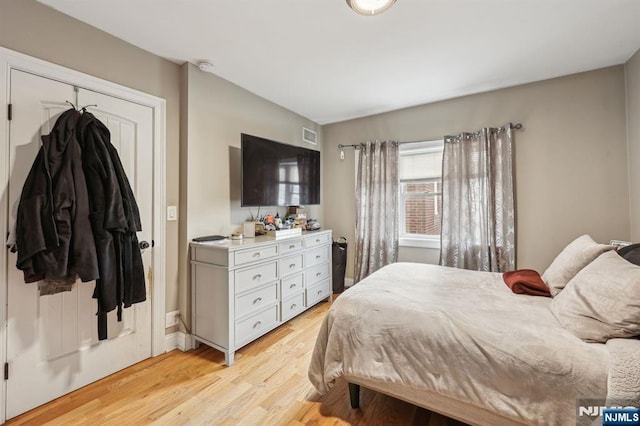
{"points": [[267, 385]]}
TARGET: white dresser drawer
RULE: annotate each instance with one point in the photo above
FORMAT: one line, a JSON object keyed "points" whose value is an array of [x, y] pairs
{"points": [[241, 257], [318, 292], [316, 274], [290, 285], [256, 299], [211, 255], [290, 246], [292, 306], [249, 328], [290, 265], [316, 256], [255, 276], [316, 240]]}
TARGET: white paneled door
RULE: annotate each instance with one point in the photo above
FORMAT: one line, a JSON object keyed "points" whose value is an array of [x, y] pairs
{"points": [[52, 341]]}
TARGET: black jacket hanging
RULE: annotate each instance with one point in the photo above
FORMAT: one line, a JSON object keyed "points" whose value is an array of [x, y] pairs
{"points": [[115, 219], [78, 217], [53, 233]]}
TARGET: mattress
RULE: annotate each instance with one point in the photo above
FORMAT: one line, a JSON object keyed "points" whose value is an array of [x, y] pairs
{"points": [[460, 335]]}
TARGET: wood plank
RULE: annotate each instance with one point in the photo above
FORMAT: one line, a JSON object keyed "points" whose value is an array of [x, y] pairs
{"points": [[267, 385]]}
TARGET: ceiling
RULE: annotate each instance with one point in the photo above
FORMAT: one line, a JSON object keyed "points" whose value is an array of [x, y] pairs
{"points": [[325, 62]]}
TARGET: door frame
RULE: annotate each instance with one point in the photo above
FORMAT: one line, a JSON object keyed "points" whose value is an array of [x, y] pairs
{"points": [[9, 60]]}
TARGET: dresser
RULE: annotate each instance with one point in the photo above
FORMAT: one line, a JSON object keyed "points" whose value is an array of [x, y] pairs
{"points": [[242, 289]]}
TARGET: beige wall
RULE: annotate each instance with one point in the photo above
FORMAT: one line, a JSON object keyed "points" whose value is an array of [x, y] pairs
{"points": [[632, 74], [31, 28], [571, 158], [216, 113]]}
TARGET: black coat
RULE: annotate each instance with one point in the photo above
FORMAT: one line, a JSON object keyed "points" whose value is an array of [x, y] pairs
{"points": [[53, 233], [77, 216], [115, 219]]}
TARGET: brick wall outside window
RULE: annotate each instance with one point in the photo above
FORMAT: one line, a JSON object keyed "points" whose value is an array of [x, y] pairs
{"points": [[422, 212]]}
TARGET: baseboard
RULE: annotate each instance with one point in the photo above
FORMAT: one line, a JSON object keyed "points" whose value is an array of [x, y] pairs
{"points": [[177, 340]]}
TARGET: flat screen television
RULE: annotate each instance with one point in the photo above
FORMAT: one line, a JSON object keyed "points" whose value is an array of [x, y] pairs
{"points": [[277, 174]]}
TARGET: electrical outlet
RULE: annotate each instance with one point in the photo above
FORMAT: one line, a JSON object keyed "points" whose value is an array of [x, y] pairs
{"points": [[171, 319], [618, 244]]}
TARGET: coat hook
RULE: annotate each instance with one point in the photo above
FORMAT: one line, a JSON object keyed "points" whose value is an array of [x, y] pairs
{"points": [[72, 105], [84, 108]]}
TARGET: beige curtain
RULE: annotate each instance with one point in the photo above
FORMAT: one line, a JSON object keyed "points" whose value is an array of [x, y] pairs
{"points": [[376, 242], [478, 214]]}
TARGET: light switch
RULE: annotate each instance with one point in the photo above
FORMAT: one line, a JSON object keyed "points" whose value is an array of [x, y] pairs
{"points": [[172, 213]]}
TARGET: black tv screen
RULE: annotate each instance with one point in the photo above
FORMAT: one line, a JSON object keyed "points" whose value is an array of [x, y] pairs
{"points": [[277, 174]]}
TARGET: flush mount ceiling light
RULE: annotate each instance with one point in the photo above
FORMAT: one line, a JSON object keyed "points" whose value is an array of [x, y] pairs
{"points": [[370, 7]]}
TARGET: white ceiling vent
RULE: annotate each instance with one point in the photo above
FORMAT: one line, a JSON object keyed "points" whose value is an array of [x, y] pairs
{"points": [[309, 136]]}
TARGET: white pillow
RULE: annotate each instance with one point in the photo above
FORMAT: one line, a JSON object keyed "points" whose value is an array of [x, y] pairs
{"points": [[602, 301], [570, 261]]}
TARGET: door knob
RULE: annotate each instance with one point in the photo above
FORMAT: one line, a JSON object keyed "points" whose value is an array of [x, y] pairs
{"points": [[144, 245]]}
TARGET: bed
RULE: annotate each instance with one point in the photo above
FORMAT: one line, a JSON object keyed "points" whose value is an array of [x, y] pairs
{"points": [[460, 343]]}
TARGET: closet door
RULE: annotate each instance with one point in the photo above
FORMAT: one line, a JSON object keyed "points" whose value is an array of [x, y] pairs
{"points": [[131, 128], [52, 342]]}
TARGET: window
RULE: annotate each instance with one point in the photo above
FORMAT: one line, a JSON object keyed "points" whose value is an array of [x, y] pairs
{"points": [[420, 197]]}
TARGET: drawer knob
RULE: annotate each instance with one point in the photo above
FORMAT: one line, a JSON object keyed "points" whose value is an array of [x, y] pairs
{"points": [[257, 254], [318, 256], [292, 285], [293, 306], [257, 324], [317, 240], [257, 276], [258, 300], [319, 291], [293, 265], [318, 274], [292, 246]]}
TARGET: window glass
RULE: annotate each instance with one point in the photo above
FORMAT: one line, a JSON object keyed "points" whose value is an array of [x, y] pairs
{"points": [[420, 198]]}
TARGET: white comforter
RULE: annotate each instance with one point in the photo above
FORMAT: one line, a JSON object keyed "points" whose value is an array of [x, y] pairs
{"points": [[462, 334]]}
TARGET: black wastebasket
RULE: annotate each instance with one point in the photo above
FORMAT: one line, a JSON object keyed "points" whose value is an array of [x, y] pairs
{"points": [[339, 256]]}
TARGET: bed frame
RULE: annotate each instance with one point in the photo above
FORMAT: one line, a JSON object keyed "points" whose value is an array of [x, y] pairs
{"points": [[438, 403]]}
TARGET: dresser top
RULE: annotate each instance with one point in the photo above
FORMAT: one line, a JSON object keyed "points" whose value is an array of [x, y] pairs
{"points": [[261, 240]]}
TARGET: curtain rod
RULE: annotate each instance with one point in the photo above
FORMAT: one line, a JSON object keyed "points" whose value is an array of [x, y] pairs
{"points": [[516, 126]]}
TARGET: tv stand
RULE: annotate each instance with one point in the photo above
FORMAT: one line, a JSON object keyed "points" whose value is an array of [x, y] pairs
{"points": [[242, 289]]}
